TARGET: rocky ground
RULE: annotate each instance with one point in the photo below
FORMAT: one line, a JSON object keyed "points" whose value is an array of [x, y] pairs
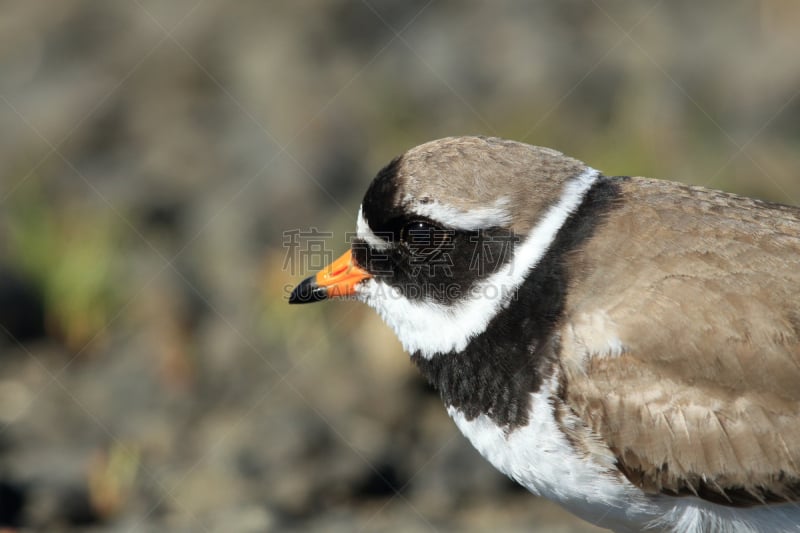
{"points": [[156, 159]]}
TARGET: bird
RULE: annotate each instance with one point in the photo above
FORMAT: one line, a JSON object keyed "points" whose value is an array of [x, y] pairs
{"points": [[626, 347]]}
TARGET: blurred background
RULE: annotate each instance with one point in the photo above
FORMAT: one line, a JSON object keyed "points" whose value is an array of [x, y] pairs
{"points": [[168, 170]]}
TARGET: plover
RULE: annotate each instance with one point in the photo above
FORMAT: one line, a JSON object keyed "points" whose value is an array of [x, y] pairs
{"points": [[626, 347]]}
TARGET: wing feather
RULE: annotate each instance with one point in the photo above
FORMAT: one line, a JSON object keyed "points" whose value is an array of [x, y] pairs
{"points": [[702, 291]]}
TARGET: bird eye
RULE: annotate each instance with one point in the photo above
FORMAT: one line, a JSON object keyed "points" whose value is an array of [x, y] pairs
{"points": [[424, 237]]}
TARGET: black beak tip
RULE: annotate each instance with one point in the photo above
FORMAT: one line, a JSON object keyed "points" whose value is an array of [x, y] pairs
{"points": [[308, 292]]}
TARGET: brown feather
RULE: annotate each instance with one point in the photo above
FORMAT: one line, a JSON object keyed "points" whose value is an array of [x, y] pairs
{"points": [[681, 342]]}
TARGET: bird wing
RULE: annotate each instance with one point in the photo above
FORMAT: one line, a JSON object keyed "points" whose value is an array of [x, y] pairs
{"points": [[682, 352]]}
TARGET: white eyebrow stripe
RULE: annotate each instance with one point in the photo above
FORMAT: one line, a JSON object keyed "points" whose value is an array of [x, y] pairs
{"points": [[471, 220], [431, 328], [363, 231]]}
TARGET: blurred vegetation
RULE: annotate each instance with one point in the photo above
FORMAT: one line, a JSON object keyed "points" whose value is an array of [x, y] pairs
{"points": [[71, 254], [111, 477], [152, 157]]}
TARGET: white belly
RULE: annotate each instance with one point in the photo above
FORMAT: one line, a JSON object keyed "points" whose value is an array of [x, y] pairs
{"points": [[539, 457]]}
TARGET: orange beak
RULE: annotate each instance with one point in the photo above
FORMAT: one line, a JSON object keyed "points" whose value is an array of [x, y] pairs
{"points": [[337, 279]]}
